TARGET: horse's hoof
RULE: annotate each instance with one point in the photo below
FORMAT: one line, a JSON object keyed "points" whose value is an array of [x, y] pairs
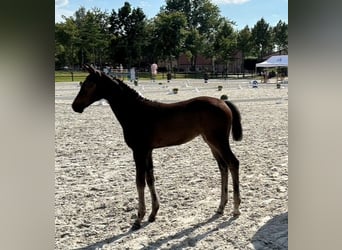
{"points": [[219, 211], [136, 226], [151, 218], [236, 213]]}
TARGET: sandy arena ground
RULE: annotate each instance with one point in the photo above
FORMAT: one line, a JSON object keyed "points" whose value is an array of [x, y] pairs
{"points": [[95, 194]]}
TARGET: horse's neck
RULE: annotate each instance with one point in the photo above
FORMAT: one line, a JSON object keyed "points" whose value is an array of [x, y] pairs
{"points": [[125, 102]]}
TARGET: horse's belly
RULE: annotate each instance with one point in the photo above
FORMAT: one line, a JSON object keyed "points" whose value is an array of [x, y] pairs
{"points": [[175, 137]]}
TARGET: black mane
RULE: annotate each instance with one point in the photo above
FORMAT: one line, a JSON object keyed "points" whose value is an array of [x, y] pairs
{"points": [[127, 90]]}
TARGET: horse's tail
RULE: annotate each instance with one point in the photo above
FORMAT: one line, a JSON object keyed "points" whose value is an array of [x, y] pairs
{"points": [[237, 128]]}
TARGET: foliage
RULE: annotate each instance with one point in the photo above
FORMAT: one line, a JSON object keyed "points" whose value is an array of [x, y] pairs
{"points": [[64, 76], [169, 34], [262, 38], [280, 33], [65, 43], [225, 44], [128, 29], [202, 19], [244, 43], [82, 38], [127, 37]]}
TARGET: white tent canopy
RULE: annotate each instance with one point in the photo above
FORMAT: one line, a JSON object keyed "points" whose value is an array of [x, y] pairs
{"points": [[274, 61]]}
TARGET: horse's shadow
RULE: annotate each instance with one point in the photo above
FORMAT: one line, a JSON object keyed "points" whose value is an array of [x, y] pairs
{"points": [[185, 232], [165, 240], [100, 244], [272, 235]]}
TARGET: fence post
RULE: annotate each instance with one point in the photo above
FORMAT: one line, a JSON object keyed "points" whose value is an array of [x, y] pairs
{"points": [[72, 76]]}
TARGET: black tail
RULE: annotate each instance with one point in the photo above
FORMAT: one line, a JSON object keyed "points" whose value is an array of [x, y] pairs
{"points": [[237, 128]]}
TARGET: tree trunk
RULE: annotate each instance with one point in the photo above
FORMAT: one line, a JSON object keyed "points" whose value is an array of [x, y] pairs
{"points": [[243, 64], [82, 57], [193, 62], [170, 61], [213, 64]]}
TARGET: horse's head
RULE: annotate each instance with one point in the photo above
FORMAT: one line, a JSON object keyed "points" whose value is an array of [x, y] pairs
{"points": [[90, 91]]}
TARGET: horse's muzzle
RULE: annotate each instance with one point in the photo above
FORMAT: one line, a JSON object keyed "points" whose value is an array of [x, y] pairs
{"points": [[77, 108]]}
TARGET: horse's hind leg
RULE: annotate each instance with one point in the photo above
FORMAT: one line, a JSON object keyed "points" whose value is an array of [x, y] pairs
{"points": [[150, 182], [234, 170], [224, 156], [224, 180], [233, 162]]}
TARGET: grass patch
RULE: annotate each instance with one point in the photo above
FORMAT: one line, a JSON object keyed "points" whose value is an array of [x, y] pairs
{"points": [[66, 76]]}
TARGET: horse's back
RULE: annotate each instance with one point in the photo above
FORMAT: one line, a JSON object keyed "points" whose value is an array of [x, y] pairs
{"points": [[180, 122], [210, 109]]}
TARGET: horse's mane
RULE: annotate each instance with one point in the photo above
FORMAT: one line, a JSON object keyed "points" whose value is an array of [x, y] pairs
{"points": [[128, 91]]}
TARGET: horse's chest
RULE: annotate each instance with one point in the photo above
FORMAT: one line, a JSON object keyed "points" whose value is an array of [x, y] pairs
{"points": [[136, 137]]}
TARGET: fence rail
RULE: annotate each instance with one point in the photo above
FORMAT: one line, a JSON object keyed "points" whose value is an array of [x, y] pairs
{"points": [[71, 76]]}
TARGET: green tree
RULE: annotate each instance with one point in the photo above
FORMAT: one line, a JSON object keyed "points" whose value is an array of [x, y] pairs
{"points": [[225, 45], [183, 6], [101, 37], [170, 35], [79, 18], [66, 34], [262, 38], [244, 44], [192, 27], [128, 29], [203, 18], [92, 35], [149, 48], [280, 36]]}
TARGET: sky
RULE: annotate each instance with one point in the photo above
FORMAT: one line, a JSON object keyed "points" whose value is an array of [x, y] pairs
{"points": [[242, 12]]}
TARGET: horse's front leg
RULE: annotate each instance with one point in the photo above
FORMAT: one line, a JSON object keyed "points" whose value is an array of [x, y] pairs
{"points": [[150, 182], [140, 164]]}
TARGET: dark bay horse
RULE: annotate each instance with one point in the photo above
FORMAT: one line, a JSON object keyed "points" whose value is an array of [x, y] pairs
{"points": [[147, 125]]}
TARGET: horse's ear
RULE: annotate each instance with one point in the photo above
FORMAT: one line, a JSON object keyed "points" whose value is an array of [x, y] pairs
{"points": [[89, 68], [92, 70]]}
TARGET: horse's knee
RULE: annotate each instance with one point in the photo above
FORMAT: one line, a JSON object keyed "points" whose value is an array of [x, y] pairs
{"points": [[223, 168], [150, 179], [140, 181]]}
